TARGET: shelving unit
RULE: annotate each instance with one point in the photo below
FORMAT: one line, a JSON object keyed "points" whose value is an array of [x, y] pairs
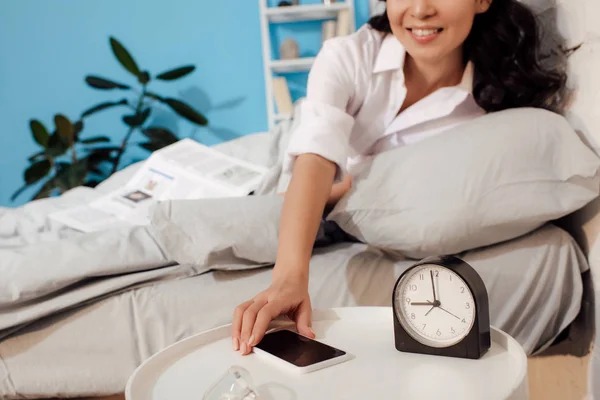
{"points": [[291, 14]]}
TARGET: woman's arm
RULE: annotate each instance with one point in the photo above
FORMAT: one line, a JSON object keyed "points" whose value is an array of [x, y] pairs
{"points": [[308, 194], [338, 190], [319, 147], [304, 203]]}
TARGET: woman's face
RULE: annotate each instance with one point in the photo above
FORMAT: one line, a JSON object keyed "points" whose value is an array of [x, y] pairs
{"points": [[432, 30]]}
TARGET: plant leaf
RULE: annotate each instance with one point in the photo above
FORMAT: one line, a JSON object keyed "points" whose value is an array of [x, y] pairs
{"points": [[124, 57], [56, 147], [129, 120], [153, 96], [72, 175], [40, 133], [96, 139], [77, 129], [92, 183], [36, 171], [176, 73], [137, 119], [18, 192], [101, 154], [77, 174], [160, 135], [46, 189], [36, 155], [108, 150], [186, 111], [104, 84], [152, 146], [103, 106], [95, 169], [144, 115], [98, 158], [65, 130]]}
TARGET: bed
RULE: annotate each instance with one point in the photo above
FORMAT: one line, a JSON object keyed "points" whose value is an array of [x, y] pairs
{"points": [[538, 285], [542, 286]]}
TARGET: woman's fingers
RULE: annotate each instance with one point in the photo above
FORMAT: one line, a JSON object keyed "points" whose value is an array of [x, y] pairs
{"points": [[248, 320], [303, 319], [263, 319], [236, 324]]}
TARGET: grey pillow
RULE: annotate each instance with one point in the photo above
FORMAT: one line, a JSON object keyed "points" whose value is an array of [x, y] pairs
{"points": [[489, 180]]}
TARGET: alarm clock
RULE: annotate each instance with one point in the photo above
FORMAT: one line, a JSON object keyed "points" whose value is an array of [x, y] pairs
{"points": [[441, 307]]}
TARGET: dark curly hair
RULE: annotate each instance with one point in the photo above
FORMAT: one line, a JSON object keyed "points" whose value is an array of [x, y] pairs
{"points": [[504, 48]]}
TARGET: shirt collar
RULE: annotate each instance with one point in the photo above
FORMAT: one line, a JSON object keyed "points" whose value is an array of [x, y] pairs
{"points": [[392, 54]]}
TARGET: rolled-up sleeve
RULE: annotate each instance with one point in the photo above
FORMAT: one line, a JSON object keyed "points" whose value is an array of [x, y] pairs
{"points": [[325, 124]]}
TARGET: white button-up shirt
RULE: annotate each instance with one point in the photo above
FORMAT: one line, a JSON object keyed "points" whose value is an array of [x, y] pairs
{"points": [[356, 88]]}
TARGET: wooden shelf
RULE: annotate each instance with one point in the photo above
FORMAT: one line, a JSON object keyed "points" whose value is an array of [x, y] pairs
{"points": [[297, 65], [282, 117], [305, 13]]}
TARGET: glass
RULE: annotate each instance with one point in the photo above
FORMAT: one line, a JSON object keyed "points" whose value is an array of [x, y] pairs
{"points": [[235, 384]]}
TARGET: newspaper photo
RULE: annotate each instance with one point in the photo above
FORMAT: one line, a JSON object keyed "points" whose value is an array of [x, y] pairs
{"points": [[183, 170]]}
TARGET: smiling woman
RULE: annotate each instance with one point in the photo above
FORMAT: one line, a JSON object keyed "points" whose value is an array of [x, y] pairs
{"points": [[500, 38], [416, 71]]}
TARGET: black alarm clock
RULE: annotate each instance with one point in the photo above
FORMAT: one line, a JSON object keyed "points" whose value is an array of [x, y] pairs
{"points": [[441, 307]]}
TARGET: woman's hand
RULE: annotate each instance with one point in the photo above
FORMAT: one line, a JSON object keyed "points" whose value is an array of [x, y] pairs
{"points": [[251, 319]]}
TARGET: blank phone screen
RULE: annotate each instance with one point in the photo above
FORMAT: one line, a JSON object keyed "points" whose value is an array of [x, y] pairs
{"points": [[296, 349]]}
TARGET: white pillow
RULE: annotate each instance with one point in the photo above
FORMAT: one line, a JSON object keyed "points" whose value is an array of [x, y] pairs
{"points": [[492, 179]]}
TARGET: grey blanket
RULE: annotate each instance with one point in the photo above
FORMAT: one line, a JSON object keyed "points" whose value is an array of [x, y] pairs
{"points": [[46, 268]]}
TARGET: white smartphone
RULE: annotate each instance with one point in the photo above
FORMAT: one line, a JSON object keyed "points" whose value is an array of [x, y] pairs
{"points": [[298, 353]]}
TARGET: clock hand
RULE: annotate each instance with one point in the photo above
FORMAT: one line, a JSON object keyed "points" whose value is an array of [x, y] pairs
{"points": [[443, 309], [432, 285], [437, 284], [429, 310], [425, 303]]}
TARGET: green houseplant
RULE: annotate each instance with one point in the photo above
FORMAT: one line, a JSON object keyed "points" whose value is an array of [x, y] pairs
{"points": [[67, 159]]}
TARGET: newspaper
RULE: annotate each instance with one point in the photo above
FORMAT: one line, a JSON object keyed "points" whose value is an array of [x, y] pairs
{"points": [[183, 170]]}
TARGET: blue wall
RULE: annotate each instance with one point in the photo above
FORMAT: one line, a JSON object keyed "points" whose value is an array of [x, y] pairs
{"points": [[48, 47]]}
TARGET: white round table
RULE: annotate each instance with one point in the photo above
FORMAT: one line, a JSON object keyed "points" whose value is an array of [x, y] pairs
{"points": [[186, 369]]}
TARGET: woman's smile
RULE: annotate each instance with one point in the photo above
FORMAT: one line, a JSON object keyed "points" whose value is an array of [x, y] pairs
{"points": [[424, 35]]}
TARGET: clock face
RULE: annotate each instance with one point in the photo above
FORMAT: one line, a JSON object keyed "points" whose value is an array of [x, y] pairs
{"points": [[434, 305]]}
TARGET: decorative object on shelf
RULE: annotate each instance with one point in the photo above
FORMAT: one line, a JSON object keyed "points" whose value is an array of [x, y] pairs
{"points": [[284, 3], [441, 307], [66, 159], [282, 95], [289, 50], [329, 30], [343, 23], [329, 2]]}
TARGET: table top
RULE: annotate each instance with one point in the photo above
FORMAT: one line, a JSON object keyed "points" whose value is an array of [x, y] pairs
{"points": [[186, 369]]}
